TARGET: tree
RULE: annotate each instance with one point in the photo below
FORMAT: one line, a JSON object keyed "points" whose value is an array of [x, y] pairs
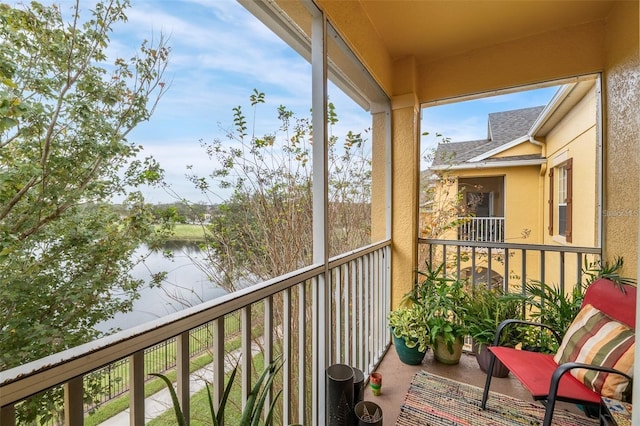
{"points": [[264, 229], [64, 119]]}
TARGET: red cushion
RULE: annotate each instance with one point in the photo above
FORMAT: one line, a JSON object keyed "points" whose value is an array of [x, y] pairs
{"points": [[534, 371], [619, 302]]}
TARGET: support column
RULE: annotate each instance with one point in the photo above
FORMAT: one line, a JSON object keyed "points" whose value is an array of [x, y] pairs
{"points": [[406, 174]]}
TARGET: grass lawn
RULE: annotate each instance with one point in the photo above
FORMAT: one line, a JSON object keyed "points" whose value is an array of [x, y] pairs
{"points": [[186, 232]]}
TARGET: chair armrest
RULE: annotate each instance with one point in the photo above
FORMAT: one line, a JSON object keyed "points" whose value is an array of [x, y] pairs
{"points": [[509, 322], [555, 383], [568, 366]]}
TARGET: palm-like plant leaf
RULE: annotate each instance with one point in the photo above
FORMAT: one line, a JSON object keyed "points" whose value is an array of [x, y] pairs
{"points": [[174, 398]]}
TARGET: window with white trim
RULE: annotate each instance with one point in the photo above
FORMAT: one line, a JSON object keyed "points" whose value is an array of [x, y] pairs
{"points": [[560, 200]]}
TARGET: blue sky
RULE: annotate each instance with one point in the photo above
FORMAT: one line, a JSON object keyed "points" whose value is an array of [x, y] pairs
{"points": [[467, 121], [220, 53]]}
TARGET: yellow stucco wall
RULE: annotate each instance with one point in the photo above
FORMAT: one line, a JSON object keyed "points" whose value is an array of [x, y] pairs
{"points": [[622, 133], [520, 199], [362, 38], [575, 137], [562, 53], [405, 151], [379, 177], [525, 148]]}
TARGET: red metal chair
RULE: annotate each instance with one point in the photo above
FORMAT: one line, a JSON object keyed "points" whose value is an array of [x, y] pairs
{"points": [[541, 375]]}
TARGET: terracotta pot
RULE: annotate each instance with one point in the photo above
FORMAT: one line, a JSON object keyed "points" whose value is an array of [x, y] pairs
{"points": [[375, 383], [483, 356]]}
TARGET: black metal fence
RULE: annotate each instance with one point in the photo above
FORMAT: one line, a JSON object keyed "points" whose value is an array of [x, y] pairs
{"points": [[113, 379]]}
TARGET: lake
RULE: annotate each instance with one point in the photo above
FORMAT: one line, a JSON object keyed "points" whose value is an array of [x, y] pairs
{"points": [[184, 286]]}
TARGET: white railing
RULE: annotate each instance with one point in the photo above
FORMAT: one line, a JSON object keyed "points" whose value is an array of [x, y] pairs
{"points": [[338, 310], [483, 229]]}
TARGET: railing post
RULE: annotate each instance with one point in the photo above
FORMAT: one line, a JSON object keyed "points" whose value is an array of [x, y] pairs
{"points": [[287, 323], [218, 360], [136, 388], [302, 351], [354, 314], [8, 415], [337, 354], [245, 339], [267, 337], [182, 366], [360, 321], [73, 405]]}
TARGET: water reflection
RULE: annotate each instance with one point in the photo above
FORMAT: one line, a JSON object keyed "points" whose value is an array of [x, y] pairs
{"points": [[185, 285]]}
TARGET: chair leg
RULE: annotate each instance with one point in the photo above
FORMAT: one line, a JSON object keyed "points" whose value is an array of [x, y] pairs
{"points": [[487, 384], [548, 410]]}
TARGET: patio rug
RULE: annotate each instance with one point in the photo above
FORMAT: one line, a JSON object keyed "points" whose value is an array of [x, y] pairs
{"points": [[436, 401]]}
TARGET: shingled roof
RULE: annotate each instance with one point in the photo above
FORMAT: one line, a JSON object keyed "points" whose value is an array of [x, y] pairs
{"points": [[503, 127]]}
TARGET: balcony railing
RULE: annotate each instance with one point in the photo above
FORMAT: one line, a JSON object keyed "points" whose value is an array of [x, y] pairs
{"points": [[313, 317], [482, 229], [510, 265]]}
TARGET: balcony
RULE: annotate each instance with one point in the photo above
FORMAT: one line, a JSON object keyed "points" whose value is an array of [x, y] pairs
{"points": [[341, 319], [481, 229]]}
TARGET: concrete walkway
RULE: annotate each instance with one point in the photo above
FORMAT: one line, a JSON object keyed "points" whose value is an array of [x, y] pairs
{"points": [[158, 403]]}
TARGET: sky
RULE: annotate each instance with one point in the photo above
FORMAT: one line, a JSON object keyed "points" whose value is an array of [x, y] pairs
{"points": [[467, 121], [220, 53]]}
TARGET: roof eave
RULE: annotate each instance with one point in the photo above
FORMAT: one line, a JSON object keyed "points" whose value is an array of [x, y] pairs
{"points": [[490, 164], [500, 149]]}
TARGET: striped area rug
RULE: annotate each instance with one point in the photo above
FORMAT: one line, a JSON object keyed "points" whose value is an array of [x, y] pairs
{"points": [[436, 401]]}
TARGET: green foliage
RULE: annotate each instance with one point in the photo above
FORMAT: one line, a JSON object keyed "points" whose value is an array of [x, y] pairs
{"points": [[264, 229], [65, 256], [255, 404], [610, 271], [445, 302], [411, 324], [488, 307], [555, 307]]}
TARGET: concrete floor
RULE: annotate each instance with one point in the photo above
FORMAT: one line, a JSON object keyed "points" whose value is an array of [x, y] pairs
{"points": [[396, 377]]}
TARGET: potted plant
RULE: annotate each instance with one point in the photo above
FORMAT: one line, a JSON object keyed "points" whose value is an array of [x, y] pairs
{"points": [[444, 301], [487, 308], [410, 333], [448, 306]]}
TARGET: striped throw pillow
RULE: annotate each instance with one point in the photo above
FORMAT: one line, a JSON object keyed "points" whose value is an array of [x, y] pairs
{"points": [[597, 339]]}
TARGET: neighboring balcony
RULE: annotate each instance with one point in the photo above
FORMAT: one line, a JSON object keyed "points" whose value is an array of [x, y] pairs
{"points": [[312, 318], [481, 229]]}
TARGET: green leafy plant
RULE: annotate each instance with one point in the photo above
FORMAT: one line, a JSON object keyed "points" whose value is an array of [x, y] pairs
{"points": [[445, 302], [610, 271], [488, 307], [551, 305], [410, 324], [256, 399]]}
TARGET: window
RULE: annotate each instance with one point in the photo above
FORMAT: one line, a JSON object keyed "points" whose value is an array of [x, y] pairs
{"points": [[563, 177], [562, 200]]}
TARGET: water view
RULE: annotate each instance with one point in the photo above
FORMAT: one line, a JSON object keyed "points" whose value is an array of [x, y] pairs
{"points": [[185, 286]]}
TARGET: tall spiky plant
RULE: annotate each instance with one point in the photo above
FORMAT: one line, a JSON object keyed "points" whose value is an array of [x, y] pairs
{"points": [[256, 399]]}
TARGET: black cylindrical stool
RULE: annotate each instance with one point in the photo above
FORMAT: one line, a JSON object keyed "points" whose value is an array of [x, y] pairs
{"points": [[368, 413], [339, 394]]}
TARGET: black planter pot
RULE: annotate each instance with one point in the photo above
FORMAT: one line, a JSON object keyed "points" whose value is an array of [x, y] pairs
{"points": [[368, 413], [339, 395], [483, 356]]}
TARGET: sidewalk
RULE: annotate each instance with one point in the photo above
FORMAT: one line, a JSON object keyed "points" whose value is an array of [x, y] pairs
{"points": [[158, 403]]}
